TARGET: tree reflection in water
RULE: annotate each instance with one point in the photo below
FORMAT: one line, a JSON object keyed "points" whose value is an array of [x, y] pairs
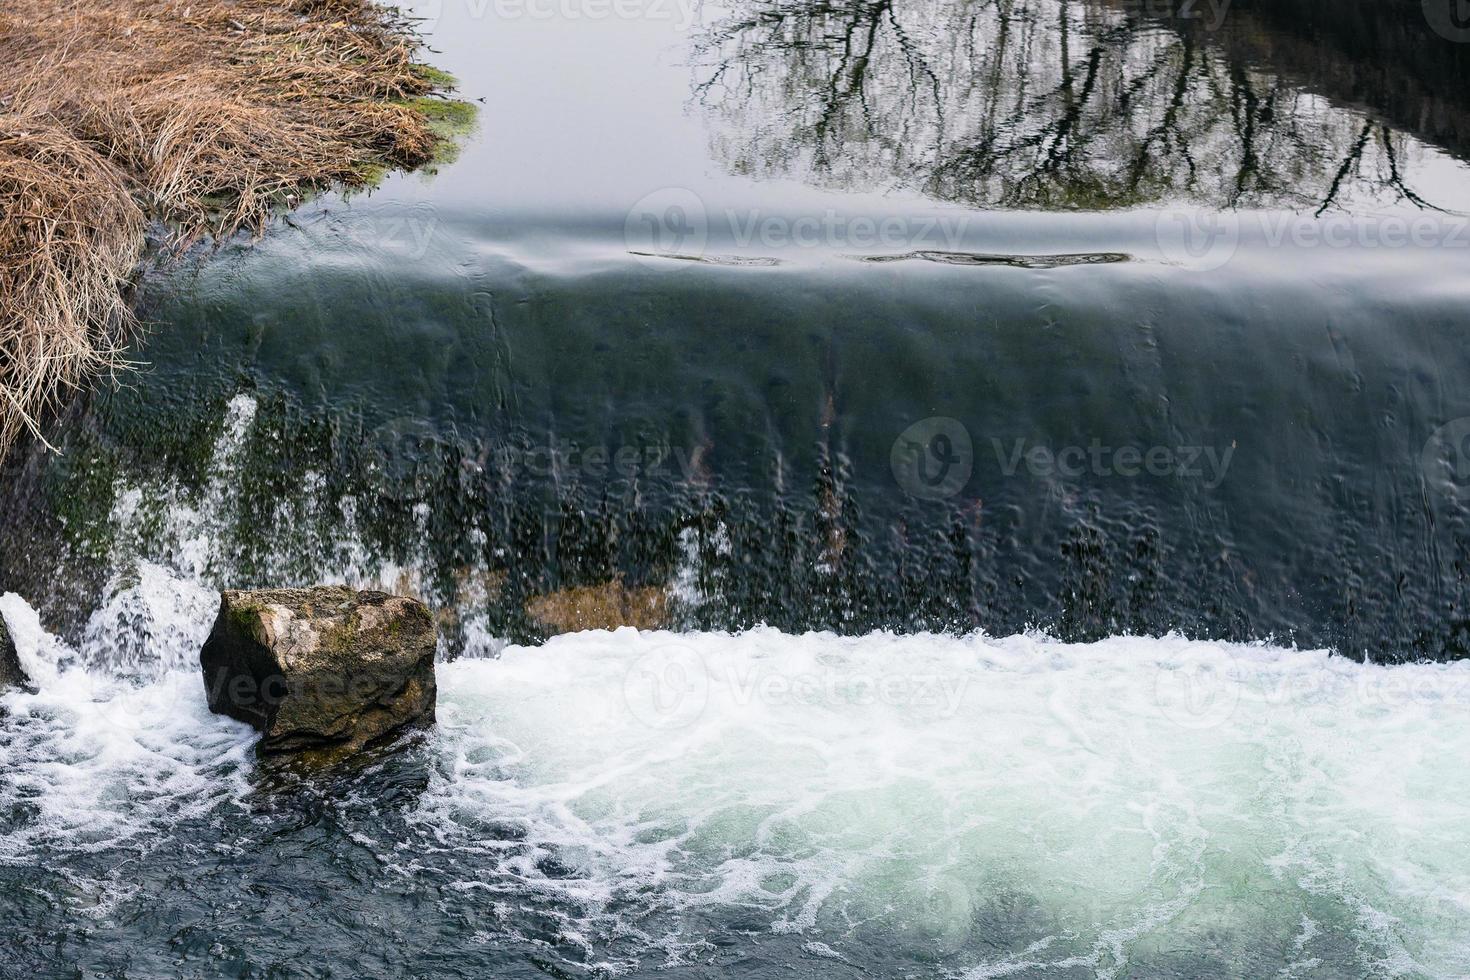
{"points": [[1054, 104]]}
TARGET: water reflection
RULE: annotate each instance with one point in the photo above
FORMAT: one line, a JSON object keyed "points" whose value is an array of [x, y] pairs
{"points": [[1031, 104]]}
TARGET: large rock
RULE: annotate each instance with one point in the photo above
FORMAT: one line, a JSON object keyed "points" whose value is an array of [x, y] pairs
{"points": [[601, 607], [11, 672], [321, 668]]}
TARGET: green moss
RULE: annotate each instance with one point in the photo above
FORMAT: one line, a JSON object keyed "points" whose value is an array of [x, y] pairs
{"points": [[455, 113], [81, 491], [341, 638], [246, 617], [447, 117], [441, 80], [371, 173]]}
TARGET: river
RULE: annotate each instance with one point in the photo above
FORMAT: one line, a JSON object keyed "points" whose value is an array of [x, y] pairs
{"points": [[1034, 431]]}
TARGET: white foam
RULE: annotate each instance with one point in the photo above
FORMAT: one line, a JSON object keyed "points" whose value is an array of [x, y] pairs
{"points": [[100, 759], [1083, 805], [1116, 795]]}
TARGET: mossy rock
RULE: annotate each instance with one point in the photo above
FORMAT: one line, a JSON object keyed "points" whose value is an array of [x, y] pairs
{"points": [[321, 669]]}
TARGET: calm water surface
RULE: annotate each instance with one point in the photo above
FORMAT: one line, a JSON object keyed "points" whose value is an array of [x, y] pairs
{"points": [[1029, 385]]}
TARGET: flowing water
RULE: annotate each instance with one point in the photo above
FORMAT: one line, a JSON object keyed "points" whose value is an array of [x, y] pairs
{"points": [[1033, 433]]}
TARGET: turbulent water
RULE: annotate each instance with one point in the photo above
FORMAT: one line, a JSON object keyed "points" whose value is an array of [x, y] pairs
{"points": [[610, 803], [1036, 430]]}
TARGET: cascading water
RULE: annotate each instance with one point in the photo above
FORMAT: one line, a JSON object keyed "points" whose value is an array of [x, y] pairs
{"points": [[961, 805], [1027, 710]]}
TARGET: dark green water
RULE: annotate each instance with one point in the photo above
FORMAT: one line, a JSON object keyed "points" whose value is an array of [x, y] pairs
{"points": [[1103, 320], [639, 328]]}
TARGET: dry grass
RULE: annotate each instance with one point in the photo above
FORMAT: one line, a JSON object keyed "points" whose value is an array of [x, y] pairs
{"points": [[193, 117]]}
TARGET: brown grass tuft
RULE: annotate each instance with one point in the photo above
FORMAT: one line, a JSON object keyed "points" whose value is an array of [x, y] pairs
{"points": [[200, 117]]}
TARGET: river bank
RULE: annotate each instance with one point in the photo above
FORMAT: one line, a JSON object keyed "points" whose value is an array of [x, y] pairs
{"points": [[141, 121]]}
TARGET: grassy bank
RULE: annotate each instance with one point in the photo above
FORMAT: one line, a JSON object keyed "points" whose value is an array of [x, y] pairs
{"points": [[192, 118]]}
